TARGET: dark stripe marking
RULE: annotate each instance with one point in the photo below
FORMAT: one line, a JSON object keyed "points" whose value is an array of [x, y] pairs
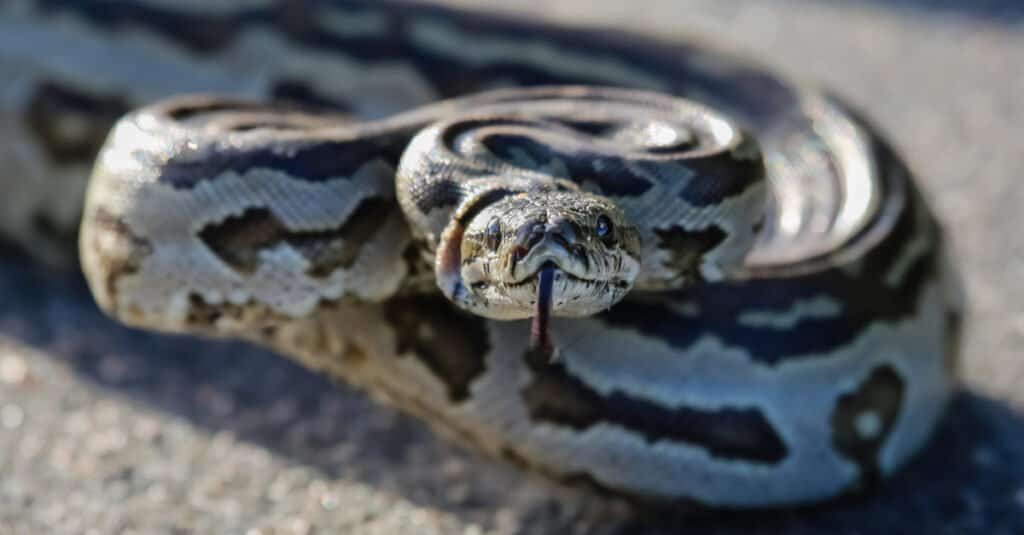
{"points": [[307, 161], [557, 397], [609, 173], [865, 298], [482, 202]]}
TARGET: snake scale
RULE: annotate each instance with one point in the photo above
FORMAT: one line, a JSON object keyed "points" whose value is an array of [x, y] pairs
{"points": [[739, 298]]}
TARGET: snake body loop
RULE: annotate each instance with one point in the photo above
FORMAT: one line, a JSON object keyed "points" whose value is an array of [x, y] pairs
{"points": [[524, 158], [749, 297]]}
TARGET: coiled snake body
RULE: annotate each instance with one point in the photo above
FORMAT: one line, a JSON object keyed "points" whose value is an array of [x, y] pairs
{"points": [[750, 304]]}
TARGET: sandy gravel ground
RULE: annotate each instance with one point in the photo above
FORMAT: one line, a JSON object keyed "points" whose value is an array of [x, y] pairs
{"points": [[106, 430]]}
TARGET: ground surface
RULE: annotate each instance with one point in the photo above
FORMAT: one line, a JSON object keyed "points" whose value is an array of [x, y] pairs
{"points": [[116, 431]]}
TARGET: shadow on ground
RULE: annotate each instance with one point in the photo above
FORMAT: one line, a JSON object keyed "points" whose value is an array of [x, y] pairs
{"points": [[970, 481], [1005, 12]]}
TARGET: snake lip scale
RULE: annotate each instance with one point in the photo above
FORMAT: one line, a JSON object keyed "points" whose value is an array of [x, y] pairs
{"points": [[751, 302], [532, 279]]}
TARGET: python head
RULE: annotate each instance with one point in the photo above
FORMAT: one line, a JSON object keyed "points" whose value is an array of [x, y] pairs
{"points": [[584, 245]]}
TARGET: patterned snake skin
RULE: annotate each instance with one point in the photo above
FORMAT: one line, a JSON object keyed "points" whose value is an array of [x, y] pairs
{"points": [[752, 307]]}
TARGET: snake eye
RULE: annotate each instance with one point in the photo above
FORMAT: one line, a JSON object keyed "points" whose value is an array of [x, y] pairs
{"points": [[605, 229], [494, 234]]}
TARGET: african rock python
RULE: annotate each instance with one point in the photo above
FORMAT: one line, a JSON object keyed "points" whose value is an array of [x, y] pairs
{"points": [[815, 362]]}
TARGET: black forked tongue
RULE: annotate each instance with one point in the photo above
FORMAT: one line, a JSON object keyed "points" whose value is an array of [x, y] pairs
{"points": [[540, 333]]}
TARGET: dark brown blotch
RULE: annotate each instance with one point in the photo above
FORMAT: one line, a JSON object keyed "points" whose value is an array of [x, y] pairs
{"points": [[687, 248], [239, 240], [864, 418], [329, 251], [451, 344], [120, 250]]}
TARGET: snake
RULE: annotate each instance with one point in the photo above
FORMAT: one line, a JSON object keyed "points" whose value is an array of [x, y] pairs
{"points": [[655, 270]]}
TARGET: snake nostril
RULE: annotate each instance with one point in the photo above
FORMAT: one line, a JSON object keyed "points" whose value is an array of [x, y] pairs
{"points": [[533, 233], [530, 235]]}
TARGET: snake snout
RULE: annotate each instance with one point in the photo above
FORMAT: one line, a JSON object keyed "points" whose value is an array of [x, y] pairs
{"points": [[543, 241], [560, 233]]}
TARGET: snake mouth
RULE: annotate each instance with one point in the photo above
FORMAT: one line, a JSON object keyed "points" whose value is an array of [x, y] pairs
{"points": [[571, 266], [535, 278], [567, 271]]}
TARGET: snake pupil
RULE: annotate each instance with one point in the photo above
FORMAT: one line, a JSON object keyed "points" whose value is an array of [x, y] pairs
{"points": [[494, 234], [605, 230]]}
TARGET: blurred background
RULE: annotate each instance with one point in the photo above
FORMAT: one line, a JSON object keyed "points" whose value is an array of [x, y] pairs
{"points": [[117, 431]]}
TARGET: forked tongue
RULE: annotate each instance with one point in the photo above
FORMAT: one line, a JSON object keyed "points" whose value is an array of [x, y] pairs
{"points": [[540, 333]]}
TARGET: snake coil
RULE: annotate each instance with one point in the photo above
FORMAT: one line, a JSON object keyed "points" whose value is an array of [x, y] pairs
{"points": [[747, 296]]}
